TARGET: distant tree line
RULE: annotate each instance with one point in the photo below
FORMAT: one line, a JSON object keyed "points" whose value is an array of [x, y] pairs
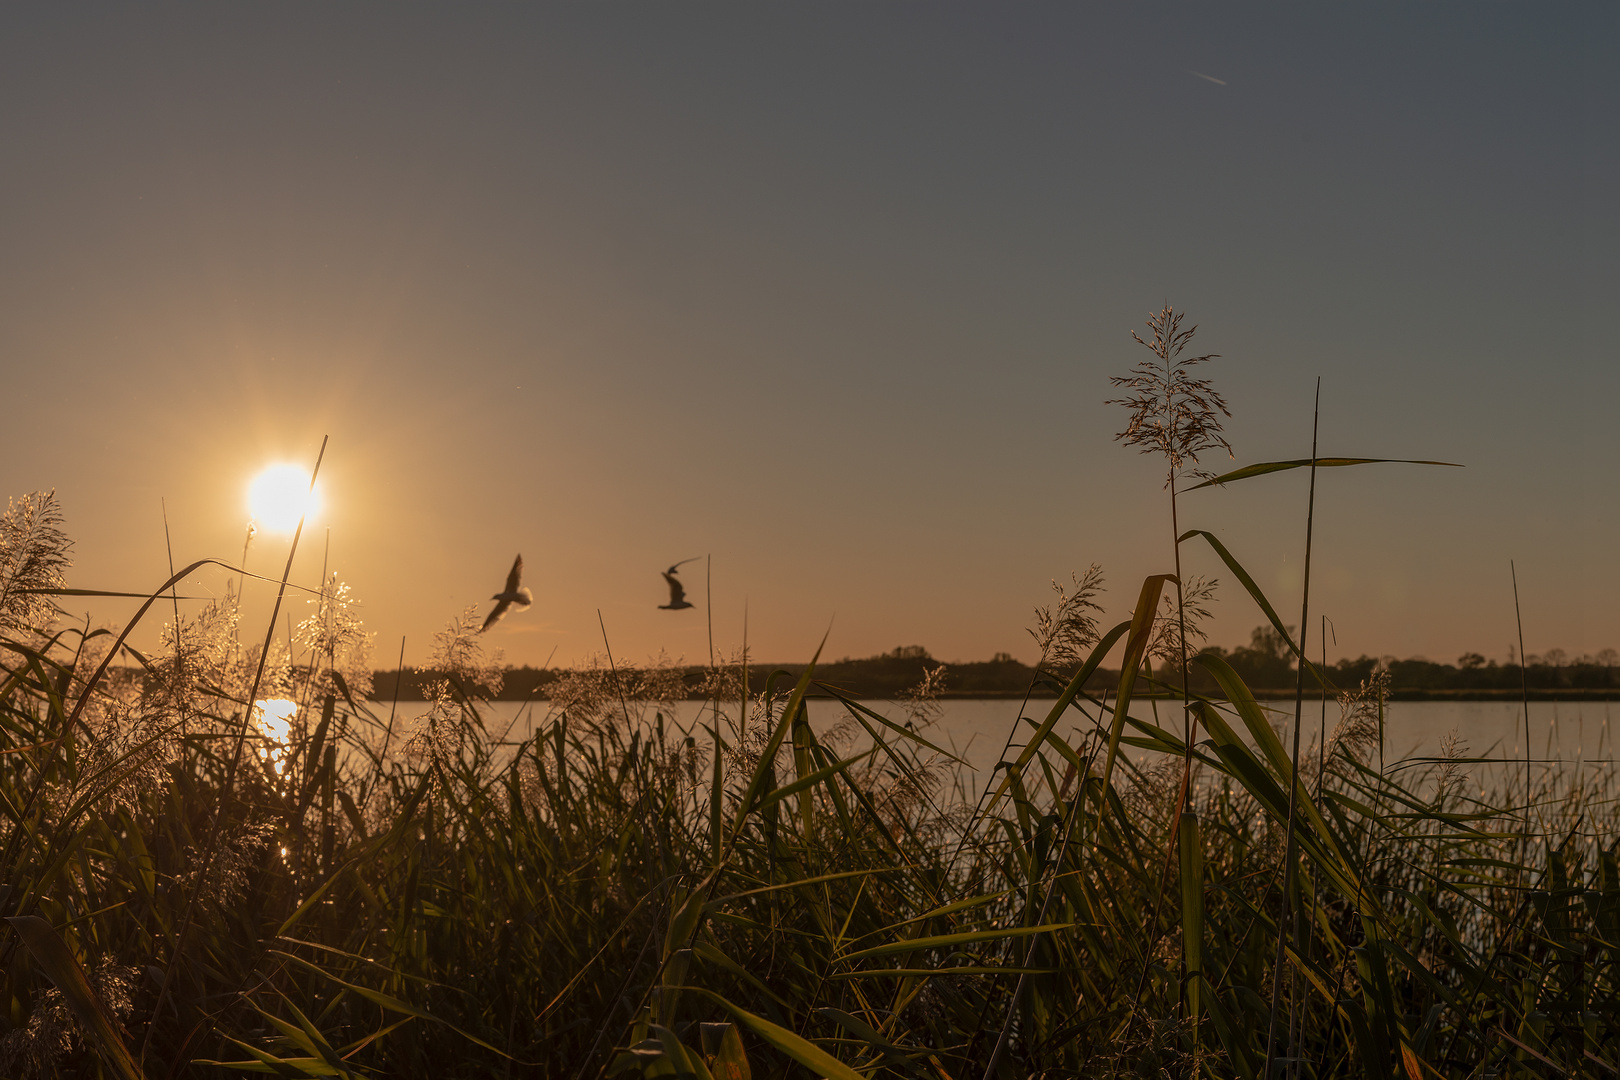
{"points": [[1264, 663]]}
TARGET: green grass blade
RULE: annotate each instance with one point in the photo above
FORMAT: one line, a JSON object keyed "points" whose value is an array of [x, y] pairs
{"points": [[1147, 607], [942, 941], [1192, 908], [1247, 581], [767, 757], [803, 1051]]}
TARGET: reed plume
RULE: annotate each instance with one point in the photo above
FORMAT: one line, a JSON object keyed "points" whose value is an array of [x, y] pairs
{"points": [[1173, 413], [33, 558], [1066, 631]]}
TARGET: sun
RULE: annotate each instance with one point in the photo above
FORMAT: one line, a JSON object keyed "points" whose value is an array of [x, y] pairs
{"points": [[280, 495]]}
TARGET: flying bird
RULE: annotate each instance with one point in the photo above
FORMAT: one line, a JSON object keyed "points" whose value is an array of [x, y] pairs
{"points": [[677, 592], [514, 593]]}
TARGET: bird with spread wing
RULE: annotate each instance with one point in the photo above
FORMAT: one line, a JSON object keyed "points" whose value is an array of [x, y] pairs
{"points": [[677, 592], [514, 593]]}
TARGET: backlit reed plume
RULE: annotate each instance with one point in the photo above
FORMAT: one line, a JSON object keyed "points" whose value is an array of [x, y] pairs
{"points": [[458, 653], [205, 652], [921, 702], [33, 555], [336, 641], [1360, 726], [1066, 631], [601, 691], [457, 672]]}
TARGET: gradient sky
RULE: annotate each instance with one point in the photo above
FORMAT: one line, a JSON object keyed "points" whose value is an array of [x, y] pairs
{"points": [[830, 292]]}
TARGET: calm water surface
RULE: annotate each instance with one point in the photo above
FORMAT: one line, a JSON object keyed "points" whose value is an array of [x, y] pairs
{"points": [[977, 730]]}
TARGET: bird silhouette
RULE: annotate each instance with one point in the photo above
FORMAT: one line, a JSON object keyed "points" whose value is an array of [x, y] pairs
{"points": [[514, 593], [677, 592]]}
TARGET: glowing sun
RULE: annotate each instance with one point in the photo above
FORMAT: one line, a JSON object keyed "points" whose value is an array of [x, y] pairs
{"points": [[280, 495]]}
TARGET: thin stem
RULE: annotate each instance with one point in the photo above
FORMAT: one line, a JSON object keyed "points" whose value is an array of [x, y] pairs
{"points": [[1296, 1012], [1181, 615], [1524, 696], [1187, 722], [1284, 928]]}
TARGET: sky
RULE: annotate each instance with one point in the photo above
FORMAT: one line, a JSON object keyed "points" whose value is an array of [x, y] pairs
{"points": [[827, 294]]}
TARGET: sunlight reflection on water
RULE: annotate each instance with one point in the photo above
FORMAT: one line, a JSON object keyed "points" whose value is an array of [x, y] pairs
{"points": [[273, 718]]}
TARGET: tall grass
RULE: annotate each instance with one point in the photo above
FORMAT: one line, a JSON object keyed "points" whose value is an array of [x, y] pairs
{"points": [[747, 895]]}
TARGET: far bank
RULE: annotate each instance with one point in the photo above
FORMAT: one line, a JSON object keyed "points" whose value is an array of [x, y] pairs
{"points": [[1264, 665]]}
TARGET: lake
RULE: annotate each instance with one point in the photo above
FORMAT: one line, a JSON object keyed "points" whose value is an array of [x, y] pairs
{"points": [[976, 730]]}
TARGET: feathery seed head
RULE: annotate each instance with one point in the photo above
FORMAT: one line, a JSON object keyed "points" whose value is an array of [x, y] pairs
{"points": [[1067, 630], [1172, 412], [33, 555]]}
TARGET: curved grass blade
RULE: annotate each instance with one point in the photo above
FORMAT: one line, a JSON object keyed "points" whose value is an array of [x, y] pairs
{"points": [[944, 940], [813, 779], [802, 1050], [890, 1053], [1264, 467], [856, 708], [306, 1036], [393, 1004], [1147, 606], [262, 1062], [1249, 584], [796, 884], [767, 756]]}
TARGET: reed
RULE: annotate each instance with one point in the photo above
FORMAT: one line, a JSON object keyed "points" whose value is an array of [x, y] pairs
{"points": [[741, 894]]}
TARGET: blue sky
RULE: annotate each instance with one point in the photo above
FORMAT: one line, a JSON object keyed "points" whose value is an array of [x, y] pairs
{"points": [[829, 291]]}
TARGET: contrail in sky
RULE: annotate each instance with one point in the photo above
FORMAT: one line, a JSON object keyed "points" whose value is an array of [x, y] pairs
{"points": [[1211, 78]]}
